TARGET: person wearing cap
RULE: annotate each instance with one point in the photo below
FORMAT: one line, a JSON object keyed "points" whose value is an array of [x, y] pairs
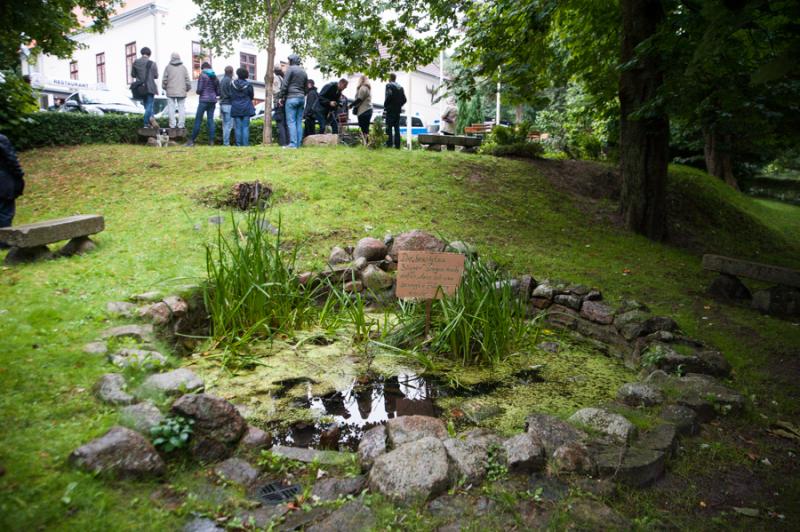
{"points": [[176, 84]]}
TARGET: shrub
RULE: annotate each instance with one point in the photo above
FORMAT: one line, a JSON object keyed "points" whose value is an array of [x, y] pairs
{"points": [[16, 103], [528, 150], [63, 129], [504, 141], [377, 134]]}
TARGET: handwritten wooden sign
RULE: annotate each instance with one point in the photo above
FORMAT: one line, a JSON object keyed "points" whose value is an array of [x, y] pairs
{"points": [[421, 273]]}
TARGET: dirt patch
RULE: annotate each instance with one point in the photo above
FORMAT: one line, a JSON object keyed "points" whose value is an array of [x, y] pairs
{"points": [[243, 196], [582, 178]]}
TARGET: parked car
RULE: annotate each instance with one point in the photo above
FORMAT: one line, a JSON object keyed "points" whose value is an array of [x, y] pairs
{"points": [[160, 107], [97, 102]]}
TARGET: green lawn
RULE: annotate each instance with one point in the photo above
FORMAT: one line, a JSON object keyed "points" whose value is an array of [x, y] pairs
{"points": [[154, 239]]}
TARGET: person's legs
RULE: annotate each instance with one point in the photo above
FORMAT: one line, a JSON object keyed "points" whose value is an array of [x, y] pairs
{"points": [[334, 120], [227, 124], [364, 120], [172, 107], [389, 131], [294, 117], [181, 112], [148, 109], [397, 139], [198, 120], [309, 126], [237, 129], [321, 115], [7, 210], [210, 117], [245, 131]]}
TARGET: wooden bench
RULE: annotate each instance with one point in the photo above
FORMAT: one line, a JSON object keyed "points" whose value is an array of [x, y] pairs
{"points": [[29, 242], [451, 141], [784, 298], [478, 129]]}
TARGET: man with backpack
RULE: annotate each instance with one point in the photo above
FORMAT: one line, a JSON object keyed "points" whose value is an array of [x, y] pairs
{"points": [[393, 103], [328, 103], [144, 88]]}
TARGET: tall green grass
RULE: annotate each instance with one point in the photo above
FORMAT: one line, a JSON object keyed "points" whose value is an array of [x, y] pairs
{"points": [[253, 290], [482, 323]]}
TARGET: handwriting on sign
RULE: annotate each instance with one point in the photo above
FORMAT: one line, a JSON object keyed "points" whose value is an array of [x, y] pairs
{"points": [[428, 275]]}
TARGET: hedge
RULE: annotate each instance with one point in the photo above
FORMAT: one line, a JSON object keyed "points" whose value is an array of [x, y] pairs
{"points": [[63, 129]]}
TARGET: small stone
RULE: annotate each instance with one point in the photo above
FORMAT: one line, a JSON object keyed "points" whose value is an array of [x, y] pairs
{"points": [[562, 317], [376, 279], [121, 308], [372, 445], [256, 439], [597, 312], [524, 454], [147, 297], [338, 256], [550, 347], [216, 220], [569, 300], [237, 471], [353, 287], [140, 333], [415, 241], [330, 489], [202, 524], [177, 305], [537, 303], [553, 432], [111, 389], [351, 517], [157, 313], [96, 348], [405, 429], [262, 518], [416, 470], [370, 249], [141, 417], [462, 247], [613, 425], [138, 358], [543, 291], [467, 460], [120, 452], [638, 394], [175, 382], [526, 286], [573, 457]]}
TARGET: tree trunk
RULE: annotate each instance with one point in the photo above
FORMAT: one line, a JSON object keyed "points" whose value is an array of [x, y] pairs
{"points": [[518, 114], [719, 161], [644, 140], [266, 137]]}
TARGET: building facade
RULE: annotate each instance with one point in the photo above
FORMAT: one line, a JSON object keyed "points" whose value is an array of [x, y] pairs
{"points": [[104, 60]]}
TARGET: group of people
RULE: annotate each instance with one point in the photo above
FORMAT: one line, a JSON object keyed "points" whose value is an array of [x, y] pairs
{"points": [[298, 108]]}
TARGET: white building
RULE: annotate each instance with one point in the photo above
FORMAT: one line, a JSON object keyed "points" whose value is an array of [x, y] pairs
{"points": [[104, 60]]}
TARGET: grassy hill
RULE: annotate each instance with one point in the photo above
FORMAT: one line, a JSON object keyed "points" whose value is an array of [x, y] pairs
{"points": [[552, 219]]}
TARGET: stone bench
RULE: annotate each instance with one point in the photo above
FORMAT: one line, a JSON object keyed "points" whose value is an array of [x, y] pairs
{"points": [[172, 132], [784, 298], [451, 141], [29, 242]]}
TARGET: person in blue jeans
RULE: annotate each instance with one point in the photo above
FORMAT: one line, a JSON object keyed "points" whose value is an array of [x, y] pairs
{"points": [[293, 92], [146, 71], [242, 107], [208, 89], [225, 105]]}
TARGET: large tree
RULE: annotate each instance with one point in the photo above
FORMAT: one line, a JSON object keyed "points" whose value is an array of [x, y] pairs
{"points": [[47, 26]]}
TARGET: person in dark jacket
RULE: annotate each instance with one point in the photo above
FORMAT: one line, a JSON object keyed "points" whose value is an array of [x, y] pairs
{"points": [[327, 104], [146, 71], [293, 94], [278, 108], [308, 113], [12, 183], [225, 105], [393, 103], [242, 107], [208, 89]]}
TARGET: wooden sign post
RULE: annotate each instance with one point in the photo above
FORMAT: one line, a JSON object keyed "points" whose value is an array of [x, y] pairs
{"points": [[428, 275]]}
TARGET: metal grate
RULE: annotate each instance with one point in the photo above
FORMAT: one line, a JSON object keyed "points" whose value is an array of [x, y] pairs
{"points": [[275, 493]]}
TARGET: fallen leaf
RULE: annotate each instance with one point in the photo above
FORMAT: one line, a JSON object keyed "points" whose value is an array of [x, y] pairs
{"points": [[752, 456], [702, 504]]}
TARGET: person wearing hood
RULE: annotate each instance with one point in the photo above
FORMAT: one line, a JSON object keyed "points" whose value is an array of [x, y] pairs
{"points": [[12, 183], [176, 84], [208, 89], [242, 107], [278, 107], [145, 72], [293, 93], [225, 105], [308, 114]]}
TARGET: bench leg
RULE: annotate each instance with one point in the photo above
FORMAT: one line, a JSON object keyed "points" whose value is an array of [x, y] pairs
{"points": [[77, 246], [729, 287], [23, 255]]}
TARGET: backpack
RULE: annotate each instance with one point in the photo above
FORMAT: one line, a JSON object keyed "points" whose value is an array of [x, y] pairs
{"points": [[139, 87]]}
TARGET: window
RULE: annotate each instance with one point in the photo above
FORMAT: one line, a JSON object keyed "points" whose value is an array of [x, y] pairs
{"points": [[248, 62], [73, 70], [199, 55], [130, 57], [100, 62]]}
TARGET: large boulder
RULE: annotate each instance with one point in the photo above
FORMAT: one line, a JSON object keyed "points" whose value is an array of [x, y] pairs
{"points": [[553, 432], [608, 423], [406, 429], [372, 445], [597, 312], [703, 394], [524, 453], [370, 249], [415, 241], [330, 489], [779, 300], [120, 452], [416, 470], [255, 439], [111, 389], [324, 139], [218, 425], [633, 465], [175, 382], [573, 457], [467, 460]]}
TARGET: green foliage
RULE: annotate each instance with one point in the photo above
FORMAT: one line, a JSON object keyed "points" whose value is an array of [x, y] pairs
{"points": [[482, 323], [50, 24], [172, 433], [470, 111], [16, 102], [526, 150], [252, 288], [511, 141], [276, 464], [66, 129], [377, 135], [496, 468]]}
